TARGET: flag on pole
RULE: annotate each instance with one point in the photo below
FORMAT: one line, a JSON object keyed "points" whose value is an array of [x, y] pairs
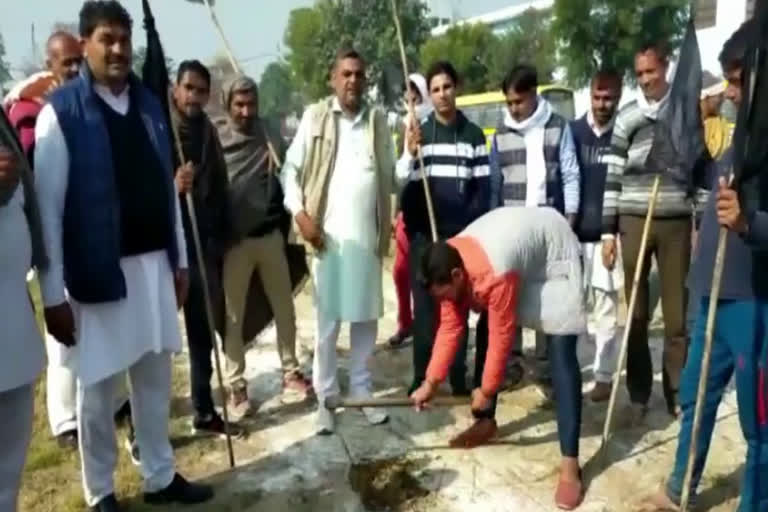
{"points": [[154, 71], [679, 147]]}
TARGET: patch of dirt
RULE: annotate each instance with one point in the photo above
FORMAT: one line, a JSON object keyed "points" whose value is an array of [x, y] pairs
{"points": [[389, 485]]}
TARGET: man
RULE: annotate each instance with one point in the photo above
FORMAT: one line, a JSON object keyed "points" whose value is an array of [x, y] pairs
{"points": [[23, 358], [592, 137], [533, 163], [625, 204], [717, 129], [456, 165], [259, 219], [24, 103], [204, 175], [418, 95], [338, 178], [739, 345], [113, 231], [527, 273]]}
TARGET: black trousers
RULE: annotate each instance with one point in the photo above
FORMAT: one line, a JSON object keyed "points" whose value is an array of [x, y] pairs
{"points": [[425, 323], [199, 337]]}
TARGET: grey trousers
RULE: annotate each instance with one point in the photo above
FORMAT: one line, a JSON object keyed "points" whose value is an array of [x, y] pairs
{"points": [[17, 407]]}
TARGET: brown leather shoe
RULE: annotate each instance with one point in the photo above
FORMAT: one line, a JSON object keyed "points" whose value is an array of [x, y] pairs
{"points": [[601, 392], [569, 495], [482, 431]]}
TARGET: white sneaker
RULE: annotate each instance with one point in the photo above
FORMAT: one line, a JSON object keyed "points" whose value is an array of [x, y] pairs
{"points": [[325, 422], [375, 415]]}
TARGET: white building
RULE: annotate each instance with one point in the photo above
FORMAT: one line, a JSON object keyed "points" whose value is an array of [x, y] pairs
{"points": [[500, 20]]}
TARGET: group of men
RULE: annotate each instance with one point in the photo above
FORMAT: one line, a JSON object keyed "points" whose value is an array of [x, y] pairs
{"points": [[94, 198]]}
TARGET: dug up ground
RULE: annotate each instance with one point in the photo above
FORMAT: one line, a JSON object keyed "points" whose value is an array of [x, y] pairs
{"points": [[405, 465]]}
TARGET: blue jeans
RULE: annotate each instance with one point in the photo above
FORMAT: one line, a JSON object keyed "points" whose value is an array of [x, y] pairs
{"points": [[740, 347]]}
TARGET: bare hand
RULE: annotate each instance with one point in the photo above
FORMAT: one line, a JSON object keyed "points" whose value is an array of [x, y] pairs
{"points": [[181, 285], [609, 253], [61, 323], [423, 395], [310, 231], [9, 171], [729, 212], [185, 177], [414, 138], [480, 401]]}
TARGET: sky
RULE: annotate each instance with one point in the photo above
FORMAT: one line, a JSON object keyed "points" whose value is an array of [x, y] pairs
{"points": [[254, 27]]}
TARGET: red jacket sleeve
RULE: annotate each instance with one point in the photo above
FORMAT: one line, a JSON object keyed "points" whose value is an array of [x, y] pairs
{"points": [[502, 320], [23, 115], [453, 321]]}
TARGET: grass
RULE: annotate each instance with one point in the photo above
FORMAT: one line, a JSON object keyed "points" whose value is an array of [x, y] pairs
{"points": [[52, 482]]}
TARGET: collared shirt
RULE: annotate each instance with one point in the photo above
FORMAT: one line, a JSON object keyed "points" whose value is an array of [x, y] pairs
{"points": [[598, 130]]}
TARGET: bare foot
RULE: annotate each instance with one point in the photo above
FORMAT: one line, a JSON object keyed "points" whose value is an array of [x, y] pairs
{"points": [[478, 434], [657, 502]]}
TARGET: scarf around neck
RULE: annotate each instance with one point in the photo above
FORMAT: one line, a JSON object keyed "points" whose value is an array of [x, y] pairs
{"points": [[650, 108], [538, 119]]}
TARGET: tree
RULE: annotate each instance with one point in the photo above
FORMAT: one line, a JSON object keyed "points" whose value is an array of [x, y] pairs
{"points": [[607, 33], [278, 97], [314, 35], [469, 49], [529, 41]]}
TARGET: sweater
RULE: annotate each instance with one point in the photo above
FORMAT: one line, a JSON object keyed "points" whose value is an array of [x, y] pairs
{"points": [[590, 151], [629, 182], [528, 273], [456, 165]]}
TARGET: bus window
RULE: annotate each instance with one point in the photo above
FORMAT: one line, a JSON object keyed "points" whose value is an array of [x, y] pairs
{"points": [[562, 102]]}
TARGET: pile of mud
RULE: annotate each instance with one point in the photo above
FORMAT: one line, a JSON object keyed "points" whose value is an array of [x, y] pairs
{"points": [[388, 485]]}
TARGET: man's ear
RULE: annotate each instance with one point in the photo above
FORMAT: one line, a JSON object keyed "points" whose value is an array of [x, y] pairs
{"points": [[457, 273]]}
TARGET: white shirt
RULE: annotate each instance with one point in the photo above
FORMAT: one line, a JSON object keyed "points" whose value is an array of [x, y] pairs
{"points": [[110, 336], [598, 130]]}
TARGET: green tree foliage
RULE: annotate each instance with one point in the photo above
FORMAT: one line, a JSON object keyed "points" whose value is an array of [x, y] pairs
{"points": [[5, 68], [278, 96], [529, 41], [314, 35], [469, 49], [606, 33]]}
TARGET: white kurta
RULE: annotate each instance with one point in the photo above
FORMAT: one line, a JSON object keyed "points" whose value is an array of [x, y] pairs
{"points": [[111, 336], [347, 275]]}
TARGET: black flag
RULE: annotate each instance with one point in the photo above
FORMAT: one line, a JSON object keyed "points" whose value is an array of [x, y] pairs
{"points": [[678, 147], [154, 72]]}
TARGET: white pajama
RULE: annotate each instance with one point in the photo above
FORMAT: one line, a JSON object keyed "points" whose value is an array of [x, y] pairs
{"points": [[324, 370], [150, 379], [17, 406]]}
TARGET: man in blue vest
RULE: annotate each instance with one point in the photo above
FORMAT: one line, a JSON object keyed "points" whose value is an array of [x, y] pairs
{"points": [[118, 272], [533, 163], [592, 136]]}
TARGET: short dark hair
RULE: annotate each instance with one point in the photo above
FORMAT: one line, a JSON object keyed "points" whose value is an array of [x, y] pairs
{"points": [[442, 67], [607, 78], [193, 66], [735, 48], [437, 263], [96, 12], [522, 78], [659, 48], [346, 52]]}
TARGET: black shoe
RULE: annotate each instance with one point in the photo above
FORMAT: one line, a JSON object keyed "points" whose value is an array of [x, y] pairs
{"points": [[180, 491], [123, 414], [213, 425], [108, 504], [399, 339], [68, 440], [132, 447]]}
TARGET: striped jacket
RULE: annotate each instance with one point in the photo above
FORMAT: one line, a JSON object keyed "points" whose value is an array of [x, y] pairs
{"points": [[528, 273], [456, 164], [509, 172], [629, 183]]}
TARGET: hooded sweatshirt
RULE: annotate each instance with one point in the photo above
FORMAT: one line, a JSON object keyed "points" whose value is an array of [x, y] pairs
{"points": [[456, 165], [253, 161]]}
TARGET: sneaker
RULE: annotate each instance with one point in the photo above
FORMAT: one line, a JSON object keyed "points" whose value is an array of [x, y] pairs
{"points": [[68, 440], [239, 404], [375, 415], [325, 423], [295, 382], [213, 425], [601, 392], [399, 339], [180, 491], [132, 446]]}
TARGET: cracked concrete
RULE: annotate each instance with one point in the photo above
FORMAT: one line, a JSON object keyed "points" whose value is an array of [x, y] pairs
{"points": [[283, 466]]}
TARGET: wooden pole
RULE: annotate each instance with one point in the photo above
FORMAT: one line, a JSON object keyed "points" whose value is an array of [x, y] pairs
{"points": [[206, 293], [227, 46], [630, 311], [448, 401], [412, 113]]}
